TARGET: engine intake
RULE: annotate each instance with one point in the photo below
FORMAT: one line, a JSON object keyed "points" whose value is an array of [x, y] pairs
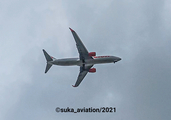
{"points": [[92, 54], [92, 70]]}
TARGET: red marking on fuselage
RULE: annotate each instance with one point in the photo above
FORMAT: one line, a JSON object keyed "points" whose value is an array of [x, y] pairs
{"points": [[101, 56]]}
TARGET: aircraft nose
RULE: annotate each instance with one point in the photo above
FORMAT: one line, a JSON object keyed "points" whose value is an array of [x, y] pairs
{"points": [[119, 59]]}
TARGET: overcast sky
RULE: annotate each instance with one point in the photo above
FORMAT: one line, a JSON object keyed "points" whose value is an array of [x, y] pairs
{"points": [[138, 31]]}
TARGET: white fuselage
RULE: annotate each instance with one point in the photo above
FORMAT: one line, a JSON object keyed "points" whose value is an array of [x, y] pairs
{"points": [[78, 62]]}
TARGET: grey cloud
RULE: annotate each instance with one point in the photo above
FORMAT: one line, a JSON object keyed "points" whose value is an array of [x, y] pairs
{"points": [[137, 31]]}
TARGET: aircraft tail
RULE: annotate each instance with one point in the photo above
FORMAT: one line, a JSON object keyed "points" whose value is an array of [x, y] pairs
{"points": [[48, 59]]}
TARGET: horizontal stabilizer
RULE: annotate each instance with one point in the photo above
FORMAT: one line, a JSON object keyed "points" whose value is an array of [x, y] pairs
{"points": [[47, 56], [48, 66]]}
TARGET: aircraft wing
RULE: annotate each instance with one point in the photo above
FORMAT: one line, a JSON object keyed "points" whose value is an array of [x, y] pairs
{"points": [[82, 74], [83, 53]]}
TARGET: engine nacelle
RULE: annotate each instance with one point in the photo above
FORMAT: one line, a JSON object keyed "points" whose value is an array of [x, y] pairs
{"points": [[92, 54], [92, 70]]}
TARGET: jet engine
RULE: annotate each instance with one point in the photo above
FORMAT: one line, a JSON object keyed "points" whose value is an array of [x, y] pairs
{"points": [[92, 70], [92, 54]]}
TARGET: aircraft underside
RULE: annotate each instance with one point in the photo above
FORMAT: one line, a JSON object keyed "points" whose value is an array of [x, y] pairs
{"points": [[86, 60], [76, 61]]}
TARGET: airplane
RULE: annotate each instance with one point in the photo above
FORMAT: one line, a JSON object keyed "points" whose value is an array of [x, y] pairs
{"points": [[85, 61]]}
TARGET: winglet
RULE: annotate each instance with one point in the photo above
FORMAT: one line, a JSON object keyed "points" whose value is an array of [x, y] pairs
{"points": [[71, 30]]}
